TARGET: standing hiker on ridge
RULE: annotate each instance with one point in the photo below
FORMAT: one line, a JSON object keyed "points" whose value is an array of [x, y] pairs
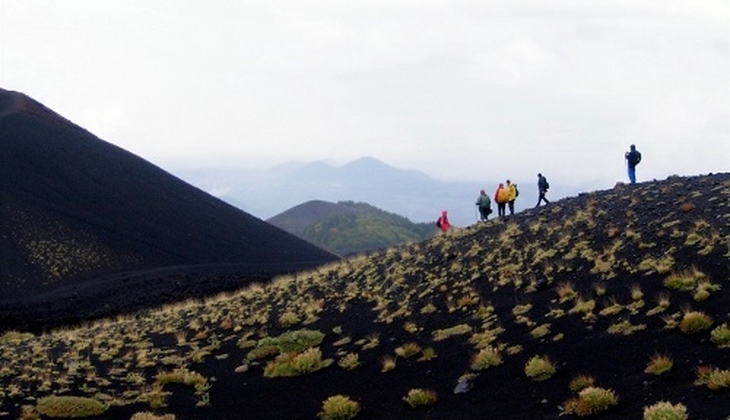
{"points": [[443, 222], [542, 188], [513, 194], [501, 196], [633, 157], [485, 206]]}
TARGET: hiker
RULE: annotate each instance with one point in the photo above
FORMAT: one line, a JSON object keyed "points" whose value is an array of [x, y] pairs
{"points": [[542, 188], [633, 157], [485, 206], [501, 196], [513, 194], [443, 222]]}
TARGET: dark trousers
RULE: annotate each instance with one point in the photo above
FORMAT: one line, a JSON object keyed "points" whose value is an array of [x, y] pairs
{"points": [[541, 199], [511, 205], [501, 209], [484, 213]]}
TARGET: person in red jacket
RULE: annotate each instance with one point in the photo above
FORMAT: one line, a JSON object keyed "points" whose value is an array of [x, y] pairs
{"points": [[443, 222], [501, 197]]}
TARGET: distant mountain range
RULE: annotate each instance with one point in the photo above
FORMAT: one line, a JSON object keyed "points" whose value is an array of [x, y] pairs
{"points": [[347, 227], [76, 210], [409, 193]]}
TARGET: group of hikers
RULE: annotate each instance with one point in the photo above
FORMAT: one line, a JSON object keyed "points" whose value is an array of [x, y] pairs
{"points": [[507, 193]]}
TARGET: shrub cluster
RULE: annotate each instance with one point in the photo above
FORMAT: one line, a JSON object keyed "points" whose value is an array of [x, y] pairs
{"points": [[70, 406]]}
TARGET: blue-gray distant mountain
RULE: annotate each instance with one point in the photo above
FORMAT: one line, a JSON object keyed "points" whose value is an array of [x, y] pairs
{"points": [[412, 194], [347, 227], [77, 213]]}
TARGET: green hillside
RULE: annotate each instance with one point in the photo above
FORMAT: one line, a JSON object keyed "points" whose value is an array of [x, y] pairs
{"points": [[348, 227]]}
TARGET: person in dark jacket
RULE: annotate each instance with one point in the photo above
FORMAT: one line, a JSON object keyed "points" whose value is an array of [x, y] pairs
{"points": [[485, 206], [542, 188], [633, 157]]}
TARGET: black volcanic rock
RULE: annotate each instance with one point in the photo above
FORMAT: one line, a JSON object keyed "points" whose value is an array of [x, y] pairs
{"points": [[76, 210]]}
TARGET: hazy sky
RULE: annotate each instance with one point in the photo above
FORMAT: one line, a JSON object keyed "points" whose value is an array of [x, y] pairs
{"points": [[462, 90]]}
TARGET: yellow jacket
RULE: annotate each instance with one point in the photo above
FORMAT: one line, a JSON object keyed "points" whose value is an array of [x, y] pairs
{"points": [[511, 192]]}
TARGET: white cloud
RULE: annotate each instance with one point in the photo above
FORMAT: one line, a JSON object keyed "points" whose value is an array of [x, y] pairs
{"points": [[460, 89]]}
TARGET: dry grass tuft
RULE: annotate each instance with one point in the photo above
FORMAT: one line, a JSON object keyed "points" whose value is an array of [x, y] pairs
{"points": [[659, 364], [694, 321], [539, 368], [339, 407], [420, 397], [590, 400], [664, 410]]}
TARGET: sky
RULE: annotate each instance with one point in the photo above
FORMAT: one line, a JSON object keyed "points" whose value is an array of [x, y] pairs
{"points": [[461, 90]]}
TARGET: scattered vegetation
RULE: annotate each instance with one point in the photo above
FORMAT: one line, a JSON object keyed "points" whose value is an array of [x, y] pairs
{"points": [[664, 410], [421, 397], [695, 321], [539, 368], [447, 293], [659, 364], [487, 357], [339, 407], [67, 406], [590, 400], [720, 335]]}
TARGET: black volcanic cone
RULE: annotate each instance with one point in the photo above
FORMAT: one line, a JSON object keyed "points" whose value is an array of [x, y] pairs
{"points": [[85, 222]]}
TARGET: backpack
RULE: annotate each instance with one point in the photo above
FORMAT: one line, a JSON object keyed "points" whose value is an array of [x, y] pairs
{"points": [[517, 192], [637, 158]]}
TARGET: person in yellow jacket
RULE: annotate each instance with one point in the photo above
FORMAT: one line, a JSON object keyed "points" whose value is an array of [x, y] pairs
{"points": [[512, 194], [501, 197]]}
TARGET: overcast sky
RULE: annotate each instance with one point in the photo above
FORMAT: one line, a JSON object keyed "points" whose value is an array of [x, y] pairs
{"points": [[462, 90]]}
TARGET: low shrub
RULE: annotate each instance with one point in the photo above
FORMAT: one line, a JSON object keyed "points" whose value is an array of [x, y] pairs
{"points": [[713, 378], [408, 350], [70, 406], [694, 321], [339, 407], [721, 335], [421, 397], [590, 400], [388, 363], [296, 364], [580, 382], [664, 410], [349, 361], [488, 356], [539, 368], [146, 415], [181, 375], [659, 364]]}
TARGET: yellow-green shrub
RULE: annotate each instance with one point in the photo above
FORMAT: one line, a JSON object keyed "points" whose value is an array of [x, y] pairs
{"points": [[580, 382], [721, 335], [659, 364], [296, 364], [694, 321], [420, 397], [146, 415], [590, 400], [339, 407], [70, 406], [539, 368], [488, 356], [664, 410]]}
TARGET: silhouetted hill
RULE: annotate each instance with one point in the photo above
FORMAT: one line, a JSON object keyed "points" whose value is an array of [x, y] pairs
{"points": [[75, 209], [348, 227]]}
